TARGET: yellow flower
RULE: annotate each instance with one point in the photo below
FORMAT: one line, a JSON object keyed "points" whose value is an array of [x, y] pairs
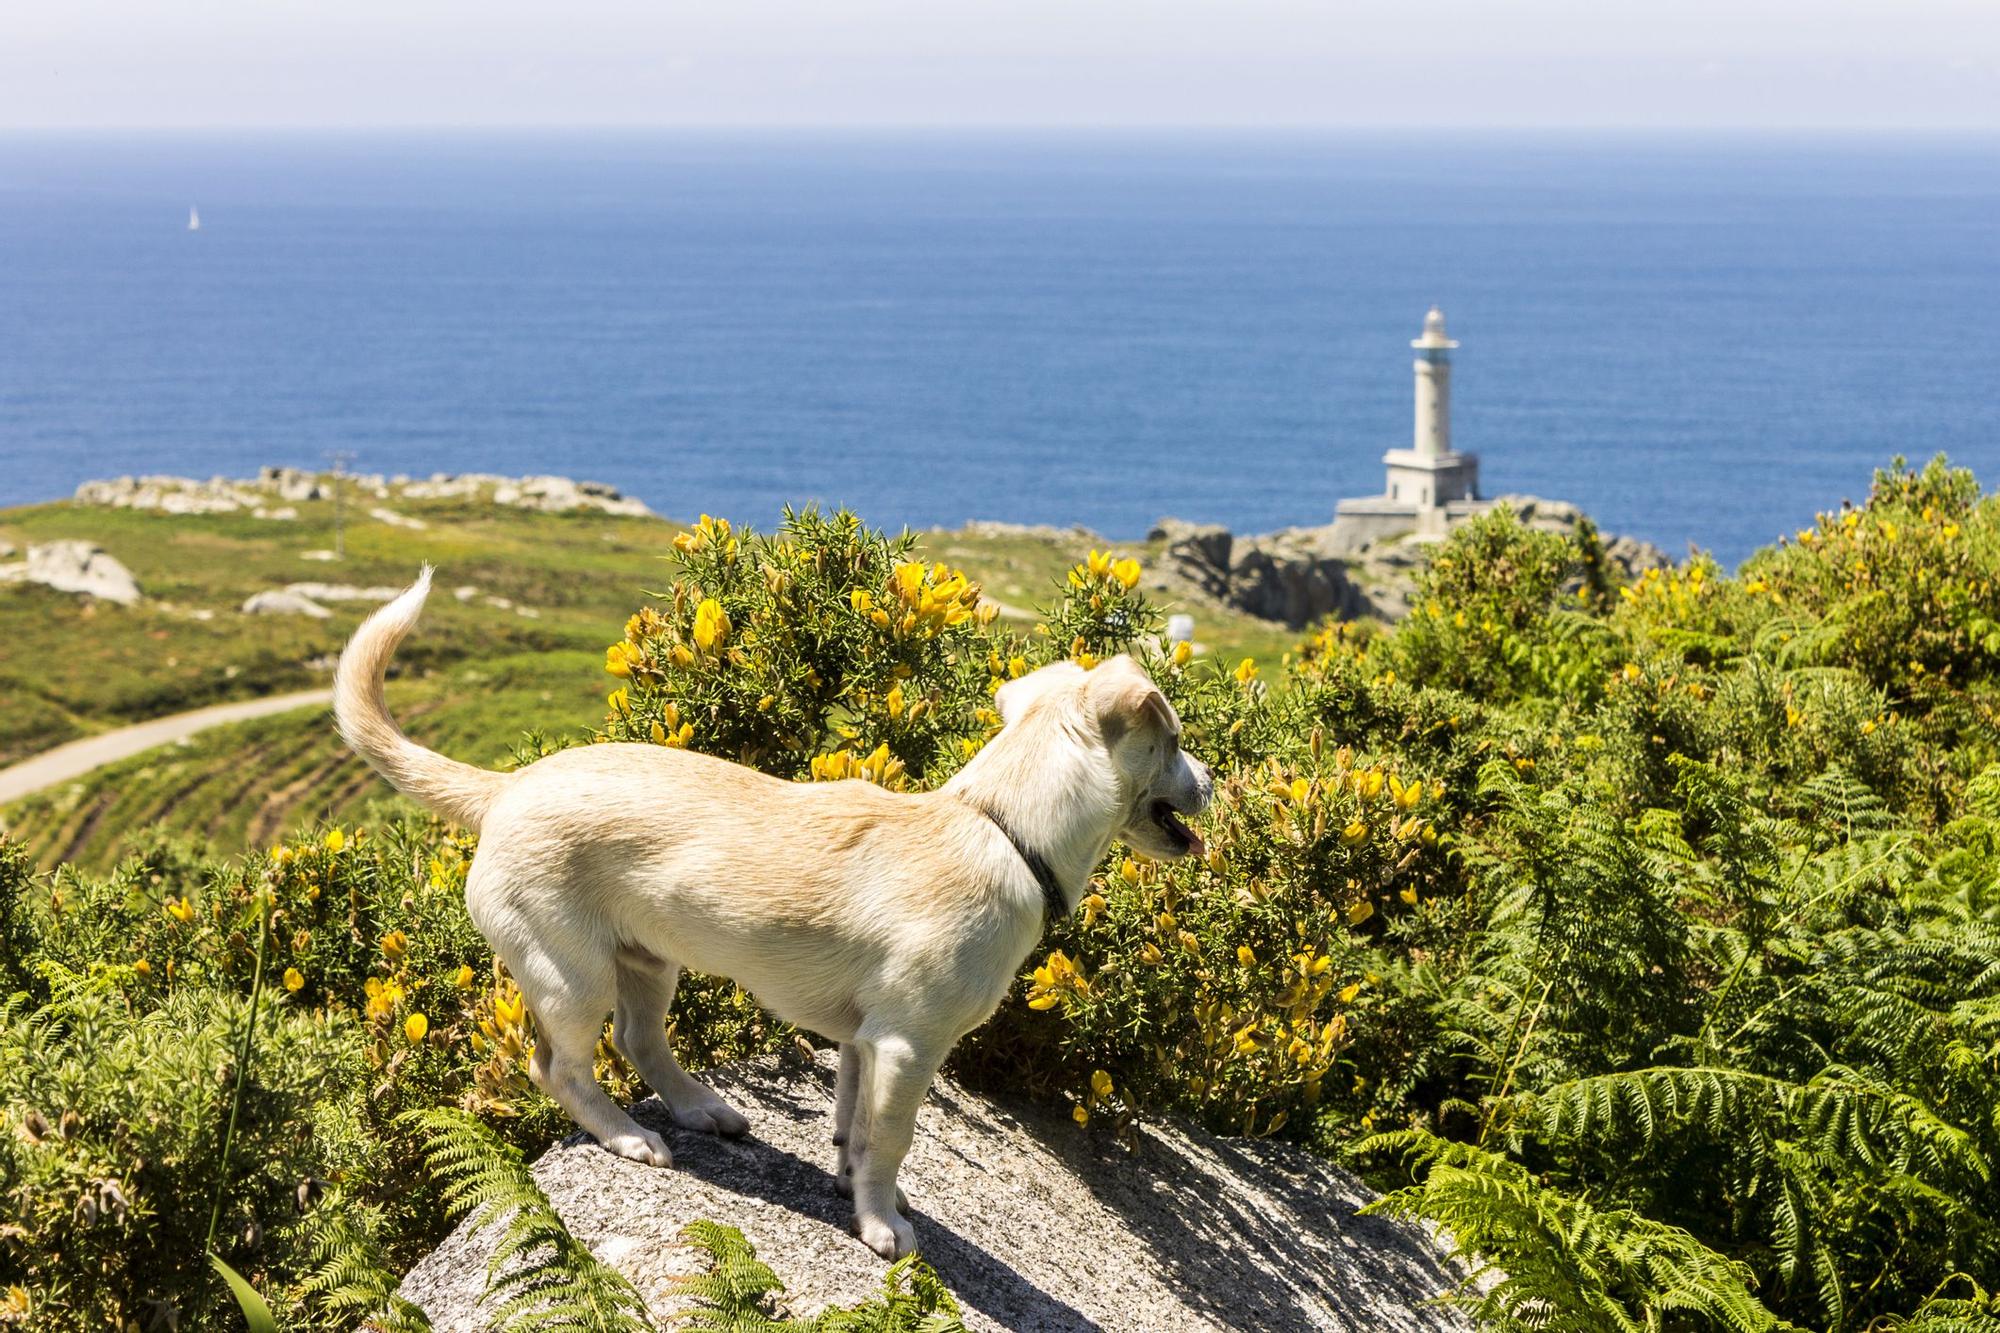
{"points": [[1045, 1000], [894, 701], [1100, 563], [711, 625], [395, 944], [1792, 716], [1360, 912], [335, 840], [142, 968], [1183, 653], [1406, 797], [463, 977], [1348, 992], [17, 1303], [618, 700], [1126, 572], [1354, 834], [1409, 896], [1128, 870], [1246, 955], [1632, 671], [294, 979], [679, 655], [415, 1026], [860, 600], [1246, 670], [1951, 532], [1080, 1115], [1149, 953], [180, 909], [615, 660], [1100, 1084]]}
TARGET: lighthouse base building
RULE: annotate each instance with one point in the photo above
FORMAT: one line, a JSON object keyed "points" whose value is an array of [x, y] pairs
{"points": [[1430, 486]]}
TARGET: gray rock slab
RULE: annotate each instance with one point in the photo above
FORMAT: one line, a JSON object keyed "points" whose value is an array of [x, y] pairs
{"points": [[1033, 1223]]}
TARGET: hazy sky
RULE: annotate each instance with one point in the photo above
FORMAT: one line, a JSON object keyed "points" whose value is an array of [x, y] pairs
{"points": [[271, 63]]}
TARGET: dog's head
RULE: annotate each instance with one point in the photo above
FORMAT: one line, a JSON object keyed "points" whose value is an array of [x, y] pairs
{"points": [[1158, 783]]}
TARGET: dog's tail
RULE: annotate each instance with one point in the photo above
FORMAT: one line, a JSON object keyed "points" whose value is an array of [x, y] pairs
{"points": [[457, 791]]}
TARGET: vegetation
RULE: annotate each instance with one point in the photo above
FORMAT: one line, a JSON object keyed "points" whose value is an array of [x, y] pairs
{"points": [[1646, 937]]}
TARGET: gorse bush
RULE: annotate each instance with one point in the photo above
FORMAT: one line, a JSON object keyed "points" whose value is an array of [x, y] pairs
{"points": [[1644, 935]]}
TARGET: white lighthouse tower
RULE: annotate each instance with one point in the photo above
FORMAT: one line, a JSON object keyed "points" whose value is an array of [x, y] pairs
{"points": [[1430, 484]]}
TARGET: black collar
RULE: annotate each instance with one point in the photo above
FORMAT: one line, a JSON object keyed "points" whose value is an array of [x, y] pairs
{"points": [[1055, 906]]}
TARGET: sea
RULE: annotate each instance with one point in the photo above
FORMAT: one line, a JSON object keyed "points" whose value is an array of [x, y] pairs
{"points": [[1700, 340]]}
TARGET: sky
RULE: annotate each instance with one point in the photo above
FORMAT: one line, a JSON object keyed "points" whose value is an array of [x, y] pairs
{"points": [[269, 64]]}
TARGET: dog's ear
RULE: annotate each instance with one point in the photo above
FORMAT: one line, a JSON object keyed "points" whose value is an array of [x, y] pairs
{"points": [[1013, 698], [1126, 698]]}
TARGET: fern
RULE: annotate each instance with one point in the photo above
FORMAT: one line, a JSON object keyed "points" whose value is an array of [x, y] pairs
{"points": [[735, 1293], [1541, 1259], [541, 1278]]}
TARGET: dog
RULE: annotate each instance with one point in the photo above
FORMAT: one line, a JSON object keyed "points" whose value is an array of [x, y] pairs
{"points": [[890, 923]]}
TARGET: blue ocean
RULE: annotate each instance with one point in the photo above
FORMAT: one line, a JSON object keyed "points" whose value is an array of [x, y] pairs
{"points": [[1699, 340]]}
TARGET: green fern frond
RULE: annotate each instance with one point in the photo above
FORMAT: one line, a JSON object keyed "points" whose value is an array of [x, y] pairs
{"points": [[544, 1279]]}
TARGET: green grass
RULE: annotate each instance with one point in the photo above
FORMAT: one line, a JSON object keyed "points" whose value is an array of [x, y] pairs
{"points": [[71, 667], [246, 784]]}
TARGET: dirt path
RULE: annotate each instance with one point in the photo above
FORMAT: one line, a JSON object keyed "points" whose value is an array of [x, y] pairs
{"points": [[79, 757]]}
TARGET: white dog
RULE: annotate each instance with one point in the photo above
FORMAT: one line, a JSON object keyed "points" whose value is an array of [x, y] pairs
{"points": [[892, 924]]}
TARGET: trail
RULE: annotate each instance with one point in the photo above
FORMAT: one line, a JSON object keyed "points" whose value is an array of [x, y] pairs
{"points": [[79, 757]]}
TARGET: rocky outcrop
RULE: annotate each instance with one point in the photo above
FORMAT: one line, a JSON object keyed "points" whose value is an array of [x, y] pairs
{"points": [[560, 494], [1291, 576], [1033, 1223], [284, 602], [81, 567], [259, 496]]}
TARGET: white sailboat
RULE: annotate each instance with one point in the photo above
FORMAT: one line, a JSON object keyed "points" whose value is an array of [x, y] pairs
{"points": [[194, 219]]}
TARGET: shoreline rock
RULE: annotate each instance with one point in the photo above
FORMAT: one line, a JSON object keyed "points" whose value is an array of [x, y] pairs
{"points": [[1297, 576], [1033, 1224], [261, 495]]}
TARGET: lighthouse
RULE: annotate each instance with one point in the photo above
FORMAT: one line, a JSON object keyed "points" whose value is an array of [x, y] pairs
{"points": [[1430, 485]]}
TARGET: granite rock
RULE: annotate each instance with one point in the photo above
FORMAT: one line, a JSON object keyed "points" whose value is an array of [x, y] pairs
{"points": [[1033, 1223], [80, 567]]}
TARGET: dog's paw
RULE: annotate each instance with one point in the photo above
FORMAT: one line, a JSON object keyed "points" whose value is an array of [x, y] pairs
{"points": [[713, 1116], [643, 1146], [891, 1237]]}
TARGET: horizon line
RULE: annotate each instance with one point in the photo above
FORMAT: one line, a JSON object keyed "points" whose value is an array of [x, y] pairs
{"points": [[933, 130]]}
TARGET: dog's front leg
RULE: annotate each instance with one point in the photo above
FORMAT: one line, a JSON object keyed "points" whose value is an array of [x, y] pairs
{"points": [[896, 1074]]}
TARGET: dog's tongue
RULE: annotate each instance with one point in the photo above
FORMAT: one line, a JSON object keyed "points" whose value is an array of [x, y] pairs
{"points": [[1178, 825]]}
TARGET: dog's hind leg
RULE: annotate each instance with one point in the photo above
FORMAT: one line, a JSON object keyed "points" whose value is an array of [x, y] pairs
{"points": [[894, 1079], [645, 993], [846, 1086], [563, 1066]]}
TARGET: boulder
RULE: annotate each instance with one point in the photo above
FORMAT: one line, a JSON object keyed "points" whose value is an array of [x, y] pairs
{"points": [[80, 567], [1033, 1223], [284, 602], [343, 592]]}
